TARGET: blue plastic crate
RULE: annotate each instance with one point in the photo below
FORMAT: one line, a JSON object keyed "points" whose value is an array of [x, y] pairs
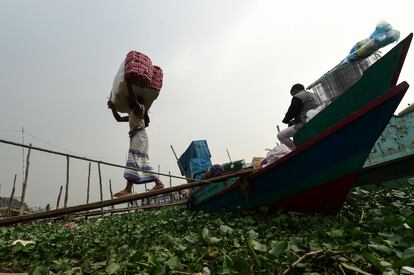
{"points": [[197, 149], [198, 167]]}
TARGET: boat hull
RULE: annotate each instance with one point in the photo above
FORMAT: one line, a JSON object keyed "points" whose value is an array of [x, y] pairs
{"points": [[393, 172], [307, 178], [391, 161]]}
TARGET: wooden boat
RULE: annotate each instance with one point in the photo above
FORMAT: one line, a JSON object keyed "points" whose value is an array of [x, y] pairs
{"points": [[391, 161], [396, 163], [375, 81], [318, 175], [331, 149]]}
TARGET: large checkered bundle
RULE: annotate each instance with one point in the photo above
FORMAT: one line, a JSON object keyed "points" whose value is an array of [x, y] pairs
{"points": [[138, 69], [147, 79], [156, 80]]}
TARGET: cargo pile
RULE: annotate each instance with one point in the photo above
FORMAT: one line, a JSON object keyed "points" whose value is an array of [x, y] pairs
{"points": [[138, 69], [146, 79], [383, 35], [196, 163]]}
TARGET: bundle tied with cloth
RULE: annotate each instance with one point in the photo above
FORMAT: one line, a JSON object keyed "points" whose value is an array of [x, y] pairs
{"points": [[383, 35], [146, 80]]}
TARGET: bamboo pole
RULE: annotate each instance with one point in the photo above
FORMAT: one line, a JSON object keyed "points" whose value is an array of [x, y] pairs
{"points": [[65, 203], [126, 209], [94, 205], [89, 183], [228, 154], [172, 194], [110, 191], [26, 174], [23, 153], [11, 196], [180, 166], [83, 158], [157, 199], [58, 198], [100, 182]]}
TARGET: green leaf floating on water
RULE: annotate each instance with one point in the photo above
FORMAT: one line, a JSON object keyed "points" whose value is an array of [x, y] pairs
{"points": [[382, 249], [277, 247], [112, 268], [337, 233], [373, 260], [258, 246], [354, 268], [407, 258], [173, 262], [41, 270], [226, 229], [205, 234], [253, 234]]}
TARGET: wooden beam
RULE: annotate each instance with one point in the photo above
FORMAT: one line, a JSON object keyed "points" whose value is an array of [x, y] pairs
{"points": [[26, 175], [11, 196], [58, 198], [180, 166], [89, 184], [94, 205], [100, 182], [110, 192], [65, 203], [127, 209], [228, 154]]}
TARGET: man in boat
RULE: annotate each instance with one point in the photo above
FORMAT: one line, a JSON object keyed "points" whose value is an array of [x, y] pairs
{"points": [[138, 162], [302, 102]]}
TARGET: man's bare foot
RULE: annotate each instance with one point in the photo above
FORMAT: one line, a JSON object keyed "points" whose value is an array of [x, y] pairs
{"points": [[122, 193], [158, 185]]}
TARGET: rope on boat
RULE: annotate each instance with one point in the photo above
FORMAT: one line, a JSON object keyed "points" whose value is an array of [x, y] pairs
{"points": [[95, 161]]}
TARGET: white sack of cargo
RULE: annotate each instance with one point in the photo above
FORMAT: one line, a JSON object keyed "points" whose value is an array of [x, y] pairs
{"points": [[276, 153]]}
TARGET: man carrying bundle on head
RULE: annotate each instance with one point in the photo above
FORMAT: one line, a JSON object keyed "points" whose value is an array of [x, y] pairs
{"points": [[138, 160], [136, 85]]}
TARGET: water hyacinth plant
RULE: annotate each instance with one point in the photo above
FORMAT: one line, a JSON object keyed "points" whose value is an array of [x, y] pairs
{"points": [[371, 234]]}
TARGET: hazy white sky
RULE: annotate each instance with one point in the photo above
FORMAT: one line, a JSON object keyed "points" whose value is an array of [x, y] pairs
{"points": [[228, 67]]}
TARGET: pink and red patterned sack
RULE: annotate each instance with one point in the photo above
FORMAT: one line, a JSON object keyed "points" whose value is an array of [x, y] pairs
{"points": [[147, 80]]}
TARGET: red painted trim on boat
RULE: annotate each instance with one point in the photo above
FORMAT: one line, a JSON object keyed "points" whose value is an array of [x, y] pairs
{"points": [[407, 42], [319, 199], [397, 89]]}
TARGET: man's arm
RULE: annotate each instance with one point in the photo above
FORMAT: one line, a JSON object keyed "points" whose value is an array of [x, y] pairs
{"points": [[115, 113], [294, 110], [137, 107]]}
